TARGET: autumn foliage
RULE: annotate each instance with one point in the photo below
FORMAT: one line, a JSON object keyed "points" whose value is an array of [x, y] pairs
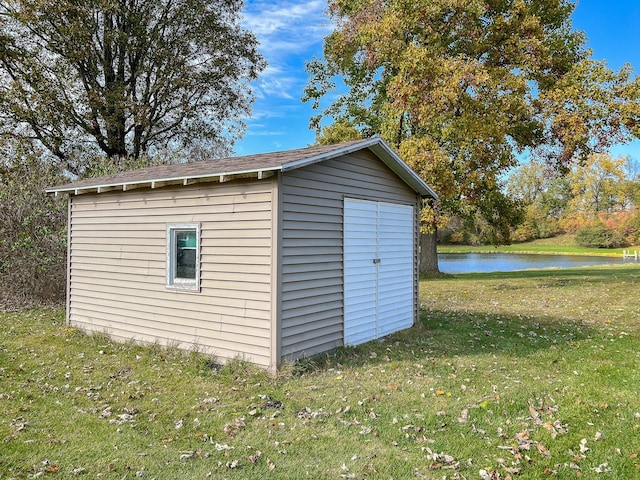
{"points": [[462, 89]]}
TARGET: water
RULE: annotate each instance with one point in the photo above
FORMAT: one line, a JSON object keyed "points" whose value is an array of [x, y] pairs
{"points": [[509, 262]]}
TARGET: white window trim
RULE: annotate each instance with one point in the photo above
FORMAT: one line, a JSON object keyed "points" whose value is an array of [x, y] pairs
{"points": [[190, 285]]}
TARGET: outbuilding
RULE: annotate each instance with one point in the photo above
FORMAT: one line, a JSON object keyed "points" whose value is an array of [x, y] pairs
{"points": [[268, 257]]}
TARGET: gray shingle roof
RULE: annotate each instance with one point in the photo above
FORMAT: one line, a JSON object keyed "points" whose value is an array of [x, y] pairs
{"points": [[250, 164]]}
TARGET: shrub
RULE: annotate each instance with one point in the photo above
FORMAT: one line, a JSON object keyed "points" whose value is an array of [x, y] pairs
{"points": [[598, 235], [525, 232], [630, 227], [32, 230]]}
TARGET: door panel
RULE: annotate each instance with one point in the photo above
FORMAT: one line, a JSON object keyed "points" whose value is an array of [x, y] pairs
{"points": [[395, 271], [378, 269], [360, 283]]}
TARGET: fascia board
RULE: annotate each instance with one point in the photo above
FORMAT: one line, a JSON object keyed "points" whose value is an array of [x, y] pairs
{"points": [[78, 188]]}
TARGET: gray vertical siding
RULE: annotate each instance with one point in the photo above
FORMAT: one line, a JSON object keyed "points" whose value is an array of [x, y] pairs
{"points": [[117, 255], [311, 244]]}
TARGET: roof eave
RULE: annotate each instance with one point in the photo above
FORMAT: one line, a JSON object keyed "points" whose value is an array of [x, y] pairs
{"points": [[162, 181], [375, 145]]}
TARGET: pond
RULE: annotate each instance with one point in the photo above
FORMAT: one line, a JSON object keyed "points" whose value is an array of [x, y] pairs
{"points": [[509, 262]]}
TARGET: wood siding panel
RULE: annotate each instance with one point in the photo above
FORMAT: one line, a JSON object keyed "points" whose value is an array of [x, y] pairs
{"points": [[117, 245], [312, 223]]}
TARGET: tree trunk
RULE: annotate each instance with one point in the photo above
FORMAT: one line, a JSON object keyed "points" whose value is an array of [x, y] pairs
{"points": [[428, 254]]}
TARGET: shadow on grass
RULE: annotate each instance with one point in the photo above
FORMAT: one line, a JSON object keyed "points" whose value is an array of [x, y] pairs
{"points": [[441, 334], [445, 333]]}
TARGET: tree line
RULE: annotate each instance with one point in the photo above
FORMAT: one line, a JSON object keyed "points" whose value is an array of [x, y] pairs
{"points": [[598, 201]]}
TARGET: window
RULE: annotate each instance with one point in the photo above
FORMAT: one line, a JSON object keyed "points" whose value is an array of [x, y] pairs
{"points": [[183, 256]]}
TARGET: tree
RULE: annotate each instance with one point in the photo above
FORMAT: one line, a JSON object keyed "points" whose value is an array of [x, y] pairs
{"points": [[599, 185], [544, 196], [125, 77], [528, 182], [460, 88]]}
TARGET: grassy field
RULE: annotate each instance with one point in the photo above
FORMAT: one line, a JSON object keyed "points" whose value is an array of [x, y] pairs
{"points": [[530, 375], [564, 244]]}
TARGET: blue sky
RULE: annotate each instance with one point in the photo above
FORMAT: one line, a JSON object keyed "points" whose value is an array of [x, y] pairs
{"points": [[291, 33]]}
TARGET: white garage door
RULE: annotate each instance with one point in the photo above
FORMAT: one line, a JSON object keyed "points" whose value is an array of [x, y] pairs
{"points": [[378, 269]]}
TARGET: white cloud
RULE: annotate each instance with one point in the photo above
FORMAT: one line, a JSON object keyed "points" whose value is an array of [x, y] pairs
{"points": [[290, 33], [268, 17], [284, 27], [276, 82]]}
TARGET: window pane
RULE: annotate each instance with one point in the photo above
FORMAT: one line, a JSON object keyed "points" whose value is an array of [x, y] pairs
{"points": [[186, 254]]}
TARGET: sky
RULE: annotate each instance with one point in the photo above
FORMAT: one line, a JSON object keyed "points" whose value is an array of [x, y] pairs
{"points": [[292, 32]]}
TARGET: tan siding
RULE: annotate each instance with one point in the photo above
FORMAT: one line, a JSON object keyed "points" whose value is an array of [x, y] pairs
{"points": [[117, 271], [193, 338], [145, 294], [312, 217], [151, 219], [233, 202], [234, 282], [165, 325]]}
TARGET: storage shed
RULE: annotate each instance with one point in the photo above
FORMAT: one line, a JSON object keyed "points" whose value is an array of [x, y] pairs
{"points": [[268, 257]]}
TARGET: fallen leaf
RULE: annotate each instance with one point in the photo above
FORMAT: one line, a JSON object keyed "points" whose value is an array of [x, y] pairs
{"points": [[486, 475], [255, 457], [602, 468], [464, 416], [583, 446], [552, 429], [524, 443], [534, 413], [221, 447], [187, 454], [543, 450]]}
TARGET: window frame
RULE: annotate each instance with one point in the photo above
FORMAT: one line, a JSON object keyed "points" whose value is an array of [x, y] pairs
{"points": [[173, 282]]}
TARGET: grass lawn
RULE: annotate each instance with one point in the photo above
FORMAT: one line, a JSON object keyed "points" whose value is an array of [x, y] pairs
{"points": [[530, 375], [563, 244]]}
